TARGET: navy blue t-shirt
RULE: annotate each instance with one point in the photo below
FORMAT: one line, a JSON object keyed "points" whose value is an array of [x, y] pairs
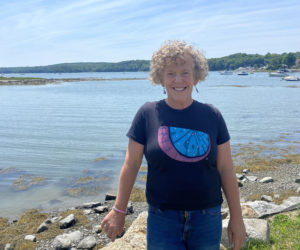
{"points": [[180, 147]]}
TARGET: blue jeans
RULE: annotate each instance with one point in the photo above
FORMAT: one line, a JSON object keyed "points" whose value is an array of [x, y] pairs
{"points": [[181, 230]]}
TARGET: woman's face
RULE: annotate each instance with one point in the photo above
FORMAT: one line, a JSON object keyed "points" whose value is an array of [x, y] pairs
{"points": [[178, 79]]}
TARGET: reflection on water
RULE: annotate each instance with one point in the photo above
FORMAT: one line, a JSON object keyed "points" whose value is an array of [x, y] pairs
{"points": [[65, 144]]}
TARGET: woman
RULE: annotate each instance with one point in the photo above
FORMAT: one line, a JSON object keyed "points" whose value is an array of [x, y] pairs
{"points": [[186, 145]]}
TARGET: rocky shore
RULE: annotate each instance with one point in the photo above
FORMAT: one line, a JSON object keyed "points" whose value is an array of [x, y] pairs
{"points": [[43, 81], [268, 183], [263, 194]]}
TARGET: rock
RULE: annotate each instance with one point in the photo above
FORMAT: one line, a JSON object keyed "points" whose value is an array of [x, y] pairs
{"points": [[134, 238], [266, 198], [67, 222], [62, 242], [87, 211], [75, 236], [225, 213], [89, 205], [290, 204], [110, 197], [8, 247], [251, 178], [55, 219], [101, 209], [248, 212], [298, 190], [266, 180], [297, 180], [256, 229], [240, 184], [43, 227], [48, 221], [30, 238], [240, 176], [97, 229], [130, 208], [246, 171], [87, 243], [263, 208]]}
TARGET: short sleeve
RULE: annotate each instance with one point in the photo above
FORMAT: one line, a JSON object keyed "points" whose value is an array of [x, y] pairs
{"points": [[223, 134], [137, 129]]}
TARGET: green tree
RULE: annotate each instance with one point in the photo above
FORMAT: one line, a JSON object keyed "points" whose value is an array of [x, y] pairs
{"points": [[289, 59]]}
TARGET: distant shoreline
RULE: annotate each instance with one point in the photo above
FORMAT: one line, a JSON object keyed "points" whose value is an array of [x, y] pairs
{"points": [[43, 81]]}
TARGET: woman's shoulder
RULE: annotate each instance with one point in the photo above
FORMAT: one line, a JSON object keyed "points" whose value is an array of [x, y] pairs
{"points": [[148, 106], [208, 107]]}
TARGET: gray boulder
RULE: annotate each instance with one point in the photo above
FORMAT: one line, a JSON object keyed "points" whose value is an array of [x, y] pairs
{"points": [[67, 222], [101, 209], [43, 227], [256, 229], [30, 238], [62, 242], [134, 238], [89, 205], [110, 197], [266, 198], [251, 178], [8, 247], [87, 243], [75, 236], [266, 180]]}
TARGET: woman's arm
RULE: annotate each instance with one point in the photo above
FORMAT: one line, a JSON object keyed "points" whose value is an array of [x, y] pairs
{"points": [[236, 227], [114, 221]]}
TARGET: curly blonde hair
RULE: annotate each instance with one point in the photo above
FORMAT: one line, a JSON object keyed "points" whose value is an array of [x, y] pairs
{"points": [[169, 52]]}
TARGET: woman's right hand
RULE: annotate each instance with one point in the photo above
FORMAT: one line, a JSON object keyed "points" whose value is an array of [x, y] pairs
{"points": [[113, 224]]}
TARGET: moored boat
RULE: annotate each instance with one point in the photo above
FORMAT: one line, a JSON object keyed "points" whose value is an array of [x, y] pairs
{"points": [[279, 73], [291, 78], [226, 72], [243, 73]]}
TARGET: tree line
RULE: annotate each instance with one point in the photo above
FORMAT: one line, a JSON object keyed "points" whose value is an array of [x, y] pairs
{"points": [[256, 61], [231, 62]]}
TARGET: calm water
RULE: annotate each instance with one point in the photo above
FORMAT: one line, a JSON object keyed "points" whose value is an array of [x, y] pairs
{"points": [[58, 131]]}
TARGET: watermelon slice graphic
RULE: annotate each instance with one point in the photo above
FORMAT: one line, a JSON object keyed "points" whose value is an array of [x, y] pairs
{"points": [[183, 144]]}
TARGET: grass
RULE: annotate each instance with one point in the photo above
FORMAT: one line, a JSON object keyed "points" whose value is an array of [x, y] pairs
{"points": [[284, 233], [268, 163], [26, 181], [137, 194], [263, 157], [101, 158], [282, 196], [86, 179]]}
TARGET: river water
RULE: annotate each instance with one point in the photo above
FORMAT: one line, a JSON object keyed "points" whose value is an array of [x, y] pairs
{"points": [[64, 144]]}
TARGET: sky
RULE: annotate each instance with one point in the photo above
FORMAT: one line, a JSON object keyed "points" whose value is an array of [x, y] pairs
{"points": [[45, 32]]}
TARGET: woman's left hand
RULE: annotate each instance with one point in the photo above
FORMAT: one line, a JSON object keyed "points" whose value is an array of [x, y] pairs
{"points": [[236, 233]]}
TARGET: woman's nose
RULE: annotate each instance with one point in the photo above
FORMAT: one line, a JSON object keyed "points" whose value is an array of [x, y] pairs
{"points": [[177, 78]]}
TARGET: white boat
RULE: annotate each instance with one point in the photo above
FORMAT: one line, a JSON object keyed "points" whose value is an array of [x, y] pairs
{"points": [[279, 73], [226, 72], [243, 73], [291, 78]]}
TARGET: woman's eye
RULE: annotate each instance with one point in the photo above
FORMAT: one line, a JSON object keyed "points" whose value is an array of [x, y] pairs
{"points": [[170, 73], [186, 73]]}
